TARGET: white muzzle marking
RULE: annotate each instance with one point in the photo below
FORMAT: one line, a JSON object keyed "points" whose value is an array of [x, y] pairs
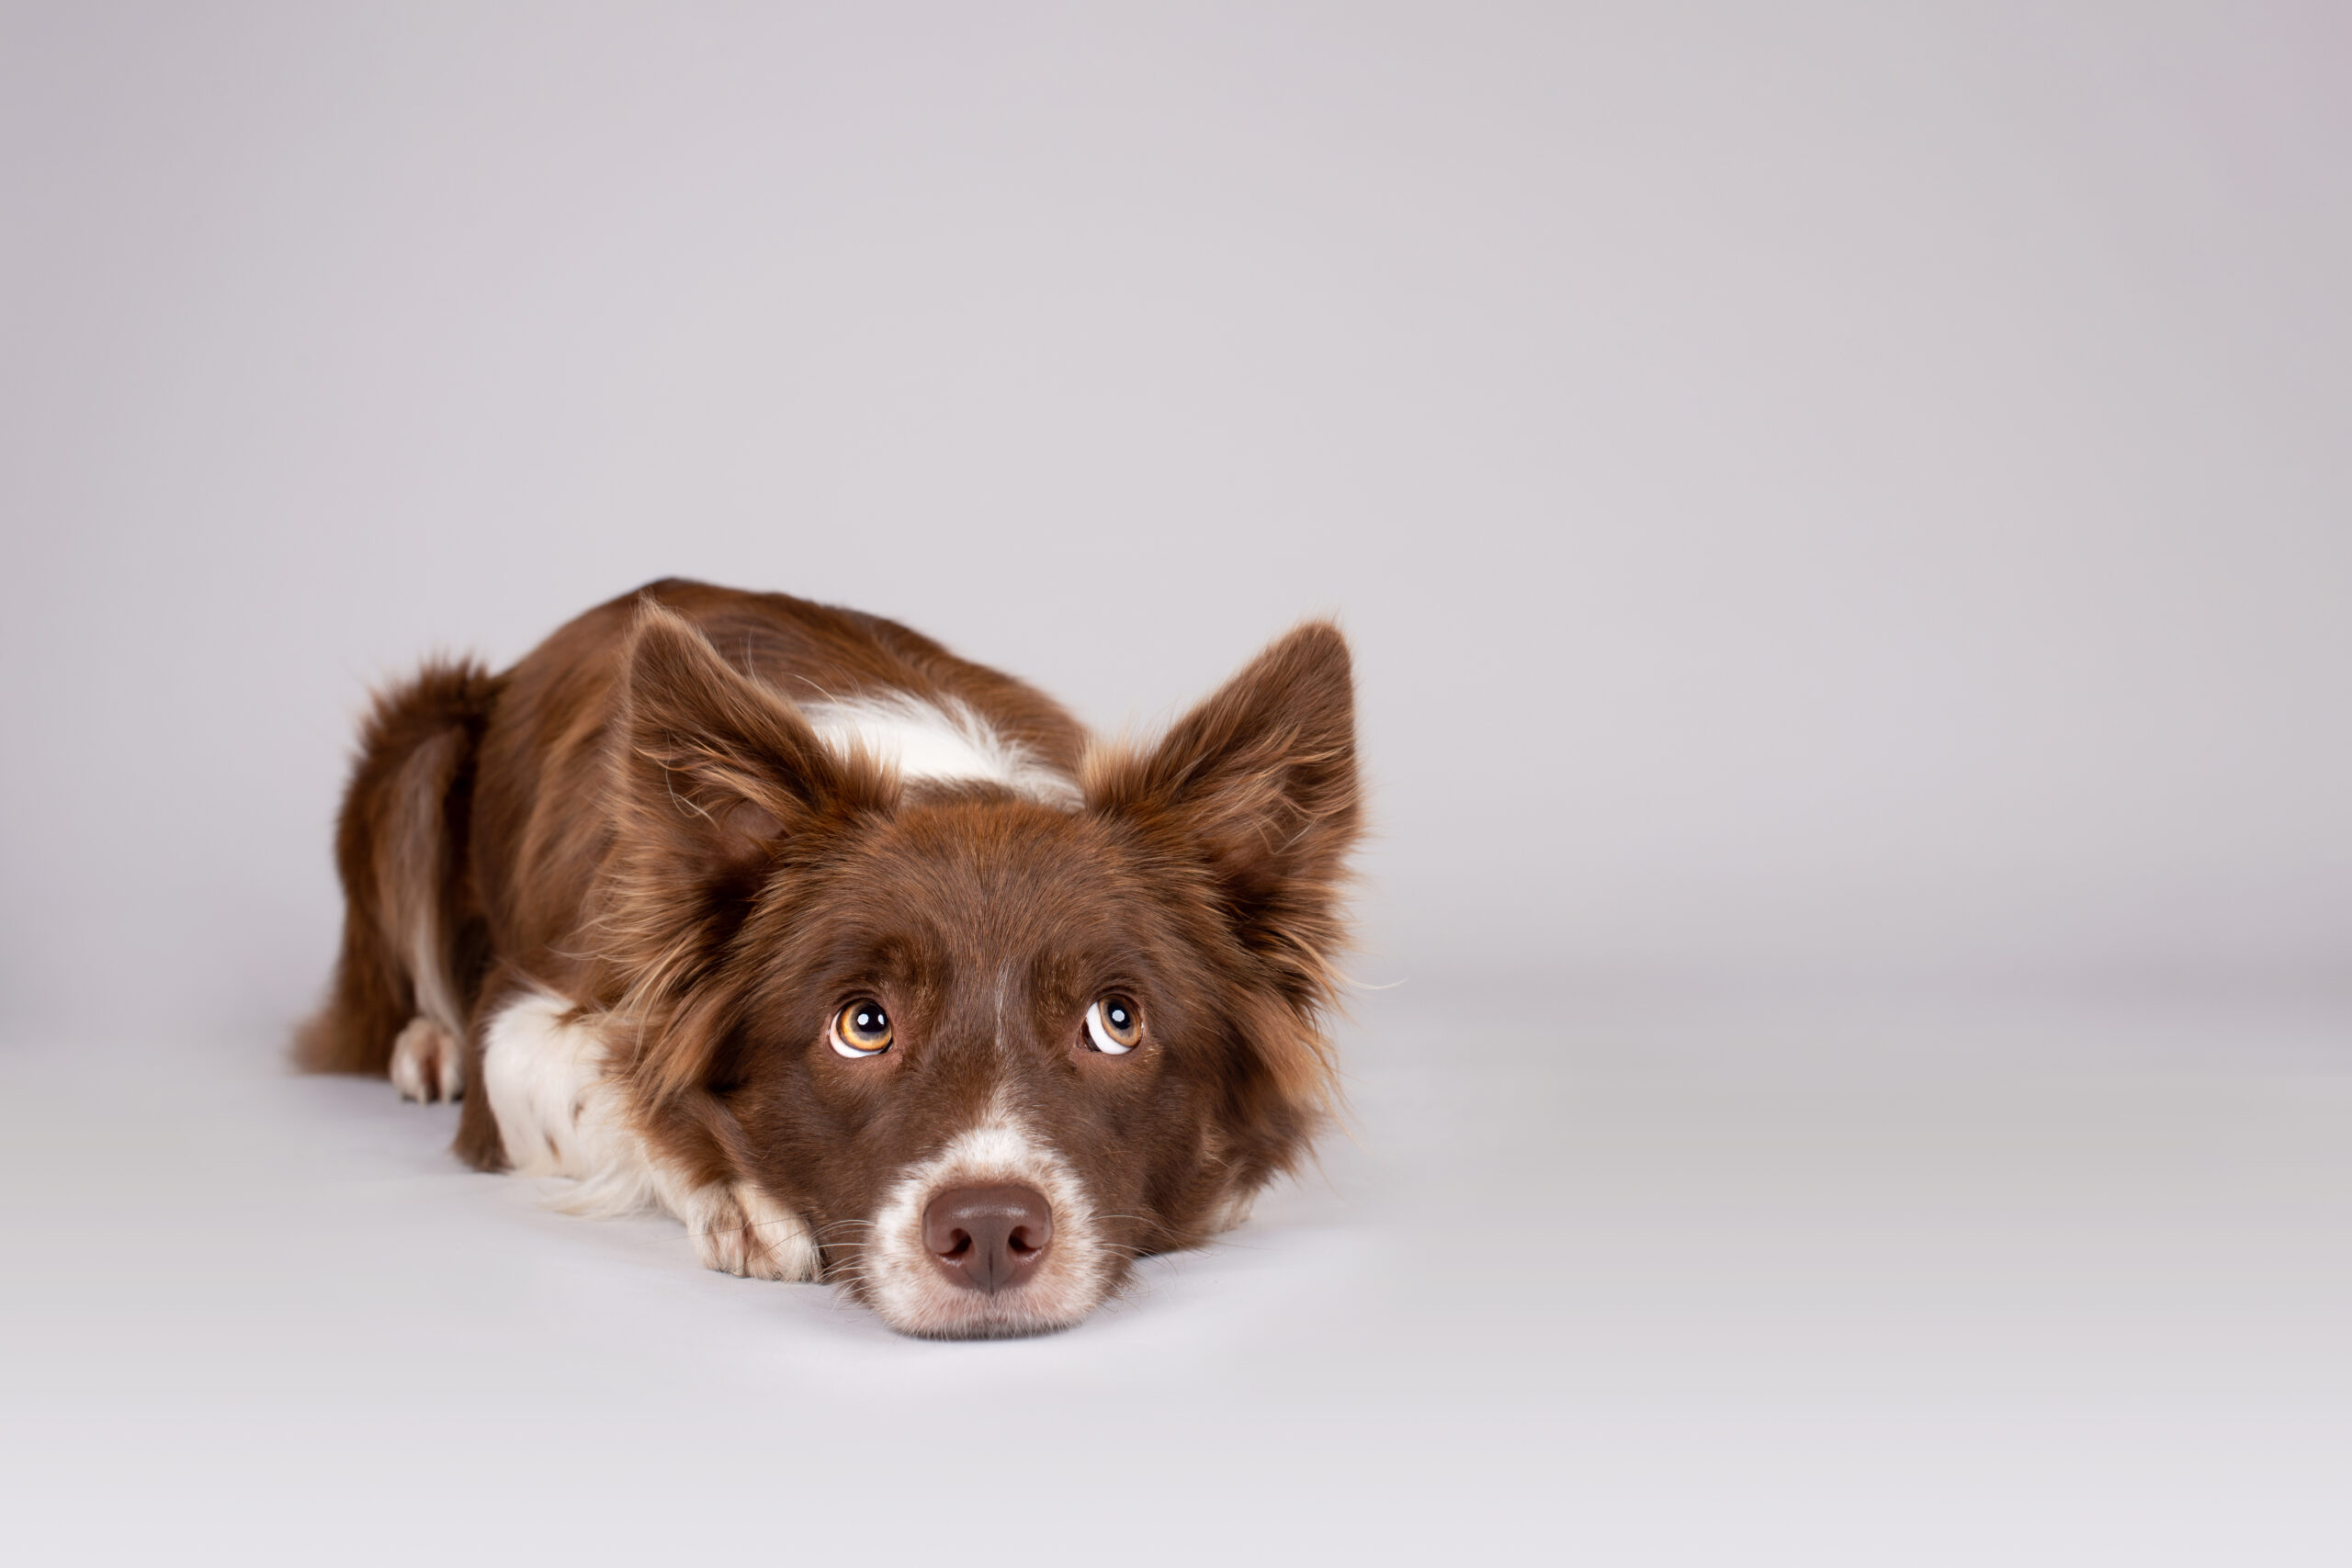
{"points": [[912, 1294]]}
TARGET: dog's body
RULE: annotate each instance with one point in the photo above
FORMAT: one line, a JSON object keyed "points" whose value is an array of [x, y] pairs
{"points": [[854, 955]]}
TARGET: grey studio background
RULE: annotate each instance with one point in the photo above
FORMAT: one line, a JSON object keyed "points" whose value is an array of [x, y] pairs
{"points": [[1844, 514]]}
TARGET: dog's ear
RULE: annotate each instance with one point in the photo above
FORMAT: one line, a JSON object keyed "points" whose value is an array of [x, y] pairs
{"points": [[716, 771], [1258, 784], [717, 780]]}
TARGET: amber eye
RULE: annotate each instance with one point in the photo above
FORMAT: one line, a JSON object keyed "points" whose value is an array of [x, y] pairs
{"points": [[861, 1029], [1112, 1024]]}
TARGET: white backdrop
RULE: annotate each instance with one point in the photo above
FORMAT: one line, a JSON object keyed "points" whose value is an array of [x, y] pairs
{"points": [[1845, 514], [1829, 495]]}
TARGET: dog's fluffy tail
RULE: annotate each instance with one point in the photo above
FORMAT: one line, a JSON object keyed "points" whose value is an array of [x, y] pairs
{"points": [[408, 941]]}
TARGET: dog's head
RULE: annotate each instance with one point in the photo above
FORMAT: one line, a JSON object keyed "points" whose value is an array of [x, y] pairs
{"points": [[990, 1047]]}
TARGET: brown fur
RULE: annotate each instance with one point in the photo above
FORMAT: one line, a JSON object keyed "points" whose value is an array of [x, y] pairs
{"points": [[638, 819], [400, 847]]}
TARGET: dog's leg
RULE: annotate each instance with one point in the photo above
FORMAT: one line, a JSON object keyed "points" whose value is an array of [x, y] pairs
{"points": [[1232, 1211], [543, 1075], [738, 1229], [407, 954], [426, 1063]]}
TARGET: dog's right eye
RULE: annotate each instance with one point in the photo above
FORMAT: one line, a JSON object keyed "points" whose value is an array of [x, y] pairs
{"points": [[1111, 1026], [861, 1029]]}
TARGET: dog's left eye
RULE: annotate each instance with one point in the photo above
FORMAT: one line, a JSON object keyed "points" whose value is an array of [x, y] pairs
{"points": [[861, 1029], [1114, 1025]]}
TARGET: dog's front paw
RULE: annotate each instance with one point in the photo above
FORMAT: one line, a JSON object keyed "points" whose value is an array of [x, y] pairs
{"points": [[1232, 1211], [425, 1063], [738, 1229]]}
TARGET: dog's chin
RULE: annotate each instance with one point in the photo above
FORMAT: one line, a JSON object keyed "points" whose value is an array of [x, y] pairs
{"points": [[987, 1320], [938, 1309]]}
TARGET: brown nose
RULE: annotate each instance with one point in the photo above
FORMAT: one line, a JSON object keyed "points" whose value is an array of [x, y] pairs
{"points": [[987, 1238]]}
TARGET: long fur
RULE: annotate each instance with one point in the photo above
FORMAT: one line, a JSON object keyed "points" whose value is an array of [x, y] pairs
{"points": [[635, 857], [410, 936]]}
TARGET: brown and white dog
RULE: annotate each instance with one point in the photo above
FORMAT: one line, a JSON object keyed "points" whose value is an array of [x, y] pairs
{"points": [[860, 959]]}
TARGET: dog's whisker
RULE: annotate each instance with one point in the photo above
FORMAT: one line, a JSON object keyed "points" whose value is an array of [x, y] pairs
{"points": [[651, 762]]}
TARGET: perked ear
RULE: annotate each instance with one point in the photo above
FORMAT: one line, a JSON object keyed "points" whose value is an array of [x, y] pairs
{"points": [[715, 769], [1259, 782], [715, 778]]}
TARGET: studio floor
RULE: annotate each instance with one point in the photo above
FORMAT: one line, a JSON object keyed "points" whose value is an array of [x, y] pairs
{"points": [[1609, 1281]]}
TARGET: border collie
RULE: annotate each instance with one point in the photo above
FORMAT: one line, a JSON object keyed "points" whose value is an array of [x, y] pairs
{"points": [[864, 961]]}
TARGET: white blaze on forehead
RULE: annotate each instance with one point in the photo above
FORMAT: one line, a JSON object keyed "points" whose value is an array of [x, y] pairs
{"points": [[943, 740], [915, 1296]]}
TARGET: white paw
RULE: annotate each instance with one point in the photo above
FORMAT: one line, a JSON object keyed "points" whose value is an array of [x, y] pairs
{"points": [[1232, 1212], [425, 1063], [738, 1229]]}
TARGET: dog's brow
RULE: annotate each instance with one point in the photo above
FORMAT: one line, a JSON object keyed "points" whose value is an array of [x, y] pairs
{"points": [[1003, 980]]}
